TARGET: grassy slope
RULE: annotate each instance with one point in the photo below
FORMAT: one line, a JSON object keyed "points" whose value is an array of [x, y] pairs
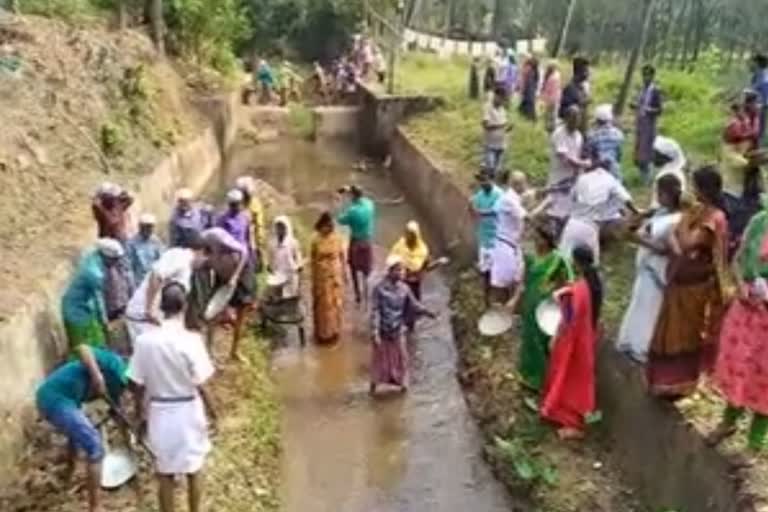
{"points": [[694, 115]]}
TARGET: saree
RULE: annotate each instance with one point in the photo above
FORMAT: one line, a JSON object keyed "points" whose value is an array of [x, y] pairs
{"points": [[684, 340], [741, 371], [543, 275], [327, 287], [569, 388]]}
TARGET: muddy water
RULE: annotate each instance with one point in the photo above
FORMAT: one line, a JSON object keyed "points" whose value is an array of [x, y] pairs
{"points": [[343, 450]]}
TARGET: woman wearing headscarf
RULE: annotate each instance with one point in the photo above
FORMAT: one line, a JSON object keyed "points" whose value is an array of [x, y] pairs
{"points": [[285, 255], [390, 301], [414, 253], [668, 159], [546, 270], [741, 371], [82, 306], [650, 271], [328, 261], [682, 345], [569, 395]]}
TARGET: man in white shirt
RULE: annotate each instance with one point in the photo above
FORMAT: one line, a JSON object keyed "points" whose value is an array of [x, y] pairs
{"points": [[507, 262], [175, 265], [566, 163], [598, 199], [495, 125], [170, 366]]}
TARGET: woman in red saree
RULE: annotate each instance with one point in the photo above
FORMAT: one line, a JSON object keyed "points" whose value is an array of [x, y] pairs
{"points": [[569, 388]]}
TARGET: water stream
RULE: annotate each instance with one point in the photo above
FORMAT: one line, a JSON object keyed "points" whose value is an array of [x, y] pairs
{"points": [[343, 450]]}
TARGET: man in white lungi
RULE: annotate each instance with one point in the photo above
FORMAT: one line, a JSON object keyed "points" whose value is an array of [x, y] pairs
{"points": [[171, 366], [507, 263]]}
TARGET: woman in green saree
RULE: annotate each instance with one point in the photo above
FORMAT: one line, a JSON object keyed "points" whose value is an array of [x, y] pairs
{"points": [[545, 271]]}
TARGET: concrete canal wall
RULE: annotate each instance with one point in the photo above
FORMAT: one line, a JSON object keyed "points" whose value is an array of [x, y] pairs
{"points": [[663, 456], [32, 339]]}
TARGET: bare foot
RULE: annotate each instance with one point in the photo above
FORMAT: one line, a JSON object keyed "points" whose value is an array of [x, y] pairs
{"points": [[570, 434], [720, 434]]}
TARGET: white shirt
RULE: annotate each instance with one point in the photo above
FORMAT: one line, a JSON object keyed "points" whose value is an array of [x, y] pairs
{"points": [[598, 196], [175, 265], [564, 143], [170, 361], [495, 116], [510, 217]]}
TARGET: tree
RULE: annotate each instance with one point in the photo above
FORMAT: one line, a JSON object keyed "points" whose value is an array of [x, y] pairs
{"points": [[635, 57], [566, 28], [158, 24]]}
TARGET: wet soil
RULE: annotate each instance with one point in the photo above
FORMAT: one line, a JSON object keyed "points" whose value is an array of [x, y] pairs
{"points": [[344, 451]]}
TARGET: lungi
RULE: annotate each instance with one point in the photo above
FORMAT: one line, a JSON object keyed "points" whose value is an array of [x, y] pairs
{"points": [[389, 361], [506, 264], [360, 256], [177, 431]]}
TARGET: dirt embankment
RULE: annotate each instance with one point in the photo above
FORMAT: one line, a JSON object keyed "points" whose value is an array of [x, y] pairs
{"points": [[526, 455], [80, 105]]}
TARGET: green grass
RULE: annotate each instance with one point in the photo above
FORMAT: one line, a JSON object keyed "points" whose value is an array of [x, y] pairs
{"points": [[694, 115]]}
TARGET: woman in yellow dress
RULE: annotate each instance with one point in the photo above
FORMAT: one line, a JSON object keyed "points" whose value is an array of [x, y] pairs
{"points": [[328, 278], [414, 253]]}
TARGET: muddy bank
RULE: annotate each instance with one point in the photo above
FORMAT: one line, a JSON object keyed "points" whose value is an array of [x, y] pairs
{"points": [[642, 434], [343, 451], [32, 336], [241, 474]]}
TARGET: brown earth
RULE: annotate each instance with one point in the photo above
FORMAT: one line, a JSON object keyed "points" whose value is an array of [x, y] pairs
{"points": [[554, 476], [87, 105]]}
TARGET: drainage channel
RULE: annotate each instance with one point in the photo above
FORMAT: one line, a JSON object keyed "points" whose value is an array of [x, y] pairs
{"points": [[342, 450]]}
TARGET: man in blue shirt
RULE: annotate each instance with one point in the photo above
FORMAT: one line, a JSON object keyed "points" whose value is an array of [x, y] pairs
{"points": [[483, 207], [760, 85], [97, 374], [360, 216], [145, 248]]}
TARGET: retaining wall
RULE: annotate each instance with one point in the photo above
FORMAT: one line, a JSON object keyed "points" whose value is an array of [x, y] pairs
{"points": [[32, 340], [663, 456]]}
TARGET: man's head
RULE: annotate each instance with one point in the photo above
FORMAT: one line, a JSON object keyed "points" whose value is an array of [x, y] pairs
{"points": [[395, 268], [573, 118], [173, 300], [356, 192], [110, 250], [649, 74], [184, 198], [604, 114], [484, 181], [518, 181], [751, 101], [580, 69], [147, 223], [235, 200]]}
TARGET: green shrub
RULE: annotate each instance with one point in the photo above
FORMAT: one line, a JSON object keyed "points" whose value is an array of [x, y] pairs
{"points": [[67, 9]]}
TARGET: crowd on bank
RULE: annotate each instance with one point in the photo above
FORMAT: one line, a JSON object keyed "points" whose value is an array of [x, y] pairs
{"points": [[137, 314], [330, 83], [700, 296]]}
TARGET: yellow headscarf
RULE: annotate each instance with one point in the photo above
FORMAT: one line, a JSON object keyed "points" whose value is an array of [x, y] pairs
{"points": [[414, 258]]}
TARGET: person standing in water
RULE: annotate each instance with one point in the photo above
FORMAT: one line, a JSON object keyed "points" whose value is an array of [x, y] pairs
{"points": [[360, 217], [171, 366], [390, 301], [414, 252], [328, 257]]}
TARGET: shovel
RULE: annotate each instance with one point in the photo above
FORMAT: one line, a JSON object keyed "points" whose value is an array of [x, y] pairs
{"points": [[119, 465]]}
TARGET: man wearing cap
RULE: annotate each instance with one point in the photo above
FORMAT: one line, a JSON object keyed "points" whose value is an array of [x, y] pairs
{"points": [[145, 248], [110, 209], [360, 216], [83, 305], [236, 221], [606, 140], [668, 158], [97, 374], [187, 219]]}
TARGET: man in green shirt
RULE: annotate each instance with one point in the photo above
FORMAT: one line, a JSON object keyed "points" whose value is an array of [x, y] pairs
{"points": [[360, 217]]}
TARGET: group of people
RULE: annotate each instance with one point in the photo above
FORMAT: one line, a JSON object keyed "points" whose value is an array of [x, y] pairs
{"points": [[136, 314], [700, 296]]}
